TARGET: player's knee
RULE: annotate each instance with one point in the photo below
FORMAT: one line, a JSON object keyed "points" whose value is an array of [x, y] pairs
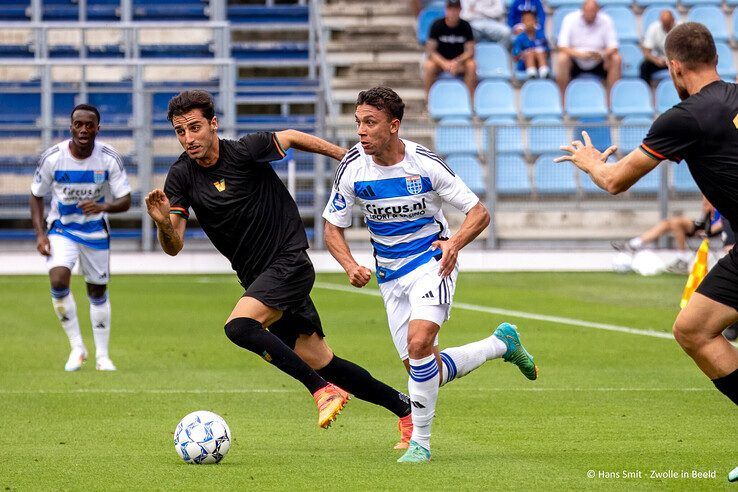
{"points": [[687, 334], [243, 332], [419, 346]]}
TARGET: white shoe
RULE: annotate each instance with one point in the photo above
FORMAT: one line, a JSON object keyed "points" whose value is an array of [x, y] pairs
{"points": [[76, 357], [105, 364]]}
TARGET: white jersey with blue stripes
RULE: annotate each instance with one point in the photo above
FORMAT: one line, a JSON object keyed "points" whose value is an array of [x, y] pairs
{"points": [[70, 181], [401, 205]]}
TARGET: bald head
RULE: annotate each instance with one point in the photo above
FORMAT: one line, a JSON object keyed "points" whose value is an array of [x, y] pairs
{"points": [[667, 20], [589, 10]]}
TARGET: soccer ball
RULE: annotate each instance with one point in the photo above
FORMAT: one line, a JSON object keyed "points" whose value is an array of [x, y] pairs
{"points": [[622, 262], [202, 437]]}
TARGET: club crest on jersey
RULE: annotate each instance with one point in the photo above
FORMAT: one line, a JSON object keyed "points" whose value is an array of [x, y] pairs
{"points": [[339, 202], [98, 177], [219, 185], [414, 184]]}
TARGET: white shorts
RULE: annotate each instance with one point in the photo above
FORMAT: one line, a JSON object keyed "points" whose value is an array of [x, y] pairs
{"points": [[94, 263], [421, 294]]}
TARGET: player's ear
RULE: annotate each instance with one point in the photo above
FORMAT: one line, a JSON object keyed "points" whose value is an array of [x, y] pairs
{"points": [[214, 123], [394, 125]]}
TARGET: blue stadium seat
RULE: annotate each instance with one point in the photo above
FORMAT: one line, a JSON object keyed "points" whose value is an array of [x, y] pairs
{"points": [[558, 18], [469, 170], [649, 3], [692, 3], [511, 176], [651, 14], [632, 58], [615, 3], [508, 135], [14, 12], [631, 97], [682, 179], [732, 3], [426, 19], [624, 21], [114, 107], [20, 107], [631, 133], [259, 14], [265, 51], [16, 50], [713, 18], [494, 98], [449, 98], [170, 11], [585, 98], [547, 134], [563, 4], [493, 61], [666, 95], [735, 22], [540, 98], [725, 67], [598, 130], [455, 136], [160, 105], [552, 177], [175, 51], [63, 103]]}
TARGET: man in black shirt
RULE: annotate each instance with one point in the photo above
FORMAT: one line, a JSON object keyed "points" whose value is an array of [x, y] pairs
{"points": [[702, 130], [250, 217], [450, 48]]}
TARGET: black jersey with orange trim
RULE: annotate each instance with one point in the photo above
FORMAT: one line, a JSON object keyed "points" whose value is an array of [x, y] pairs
{"points": [[703, 131], [240, 202]]}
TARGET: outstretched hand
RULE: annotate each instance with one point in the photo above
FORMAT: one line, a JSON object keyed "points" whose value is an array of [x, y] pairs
{"points": [[157, 205], [584, 153]]}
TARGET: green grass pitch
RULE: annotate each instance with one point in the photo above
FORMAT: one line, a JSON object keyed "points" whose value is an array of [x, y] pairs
{"points": [[606, 402]]}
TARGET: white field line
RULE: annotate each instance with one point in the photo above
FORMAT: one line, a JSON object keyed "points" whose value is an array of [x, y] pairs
{"points": [[196, 391], [516, 314]]}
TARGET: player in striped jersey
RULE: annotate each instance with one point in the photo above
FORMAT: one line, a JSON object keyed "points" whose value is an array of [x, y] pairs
{"points": [[400, 187], [78, 173]]}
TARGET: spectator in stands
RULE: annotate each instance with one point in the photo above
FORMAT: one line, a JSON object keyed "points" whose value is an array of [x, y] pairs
{"points": [[487, 18], [653, 45], [450, 48], [530, 48], [518, 8], [588, 43]]}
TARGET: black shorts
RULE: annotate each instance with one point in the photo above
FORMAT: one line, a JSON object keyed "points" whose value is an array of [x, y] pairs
{"points": [[598, 70], [728, 235], [285, 285], [721, 283]]}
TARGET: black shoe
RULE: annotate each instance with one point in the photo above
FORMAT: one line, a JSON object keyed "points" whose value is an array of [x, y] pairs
{"points": [[731, 332], [623, 246]]}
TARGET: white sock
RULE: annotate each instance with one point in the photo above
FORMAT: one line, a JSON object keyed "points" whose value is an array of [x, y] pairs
{"points": [[635, 243], [530, 72], [66, 310], [100, 319], [543, 72], [423, 388], [460, 361]]}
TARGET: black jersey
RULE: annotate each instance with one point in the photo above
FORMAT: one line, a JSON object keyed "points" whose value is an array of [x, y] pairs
{"points": [[451, 40], [703, 131], [240, 202]]}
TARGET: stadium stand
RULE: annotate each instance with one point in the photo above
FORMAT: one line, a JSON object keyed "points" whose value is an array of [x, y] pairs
{"points": [[553, 178], [511, 175], [631, 98], [712, 17], [449, 98], [493, 61], [494, 98], [469, 170], [585, 98], [631, 132], [624, 21], [455, 136], [540, 98], [666, 95], [632, 58]]}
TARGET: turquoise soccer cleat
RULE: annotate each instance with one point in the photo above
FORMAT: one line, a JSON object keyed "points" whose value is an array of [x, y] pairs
{"points": [[516, 353], [733, 476], [415, 454]]}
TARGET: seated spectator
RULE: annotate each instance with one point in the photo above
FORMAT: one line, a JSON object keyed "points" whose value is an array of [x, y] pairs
{"points": [[653, 45], [450, 48], [588, 43], [530, 48], [709, 224], [487, 18], [515, 14]]}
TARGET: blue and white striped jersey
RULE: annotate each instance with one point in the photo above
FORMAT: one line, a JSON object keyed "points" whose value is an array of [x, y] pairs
{"points": [[71, 181], [401, 205]]}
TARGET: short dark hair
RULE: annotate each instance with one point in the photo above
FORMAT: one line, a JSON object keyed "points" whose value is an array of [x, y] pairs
{"points": [[85, 107], [530, 12], [186, 101], [384, 99], [691, 44]]}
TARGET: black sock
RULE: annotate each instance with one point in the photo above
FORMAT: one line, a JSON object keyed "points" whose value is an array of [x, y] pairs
{"points": [[249, 334], [728, 385], [357, 381]]}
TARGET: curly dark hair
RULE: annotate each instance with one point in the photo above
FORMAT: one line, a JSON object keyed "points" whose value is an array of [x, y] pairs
{"points": [[384, 99], [186, 101], [85, 107]]}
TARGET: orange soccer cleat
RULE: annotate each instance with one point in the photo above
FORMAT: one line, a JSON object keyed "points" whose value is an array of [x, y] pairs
{"points": [[330, 400], [405, 426]]}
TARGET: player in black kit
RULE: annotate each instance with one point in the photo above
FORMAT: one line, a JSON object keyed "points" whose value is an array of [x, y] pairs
{"points": [[250, 217], [702, 130]]}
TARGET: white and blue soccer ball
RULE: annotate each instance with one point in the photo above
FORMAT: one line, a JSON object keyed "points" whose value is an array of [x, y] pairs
{"points": [[202, 437]]}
